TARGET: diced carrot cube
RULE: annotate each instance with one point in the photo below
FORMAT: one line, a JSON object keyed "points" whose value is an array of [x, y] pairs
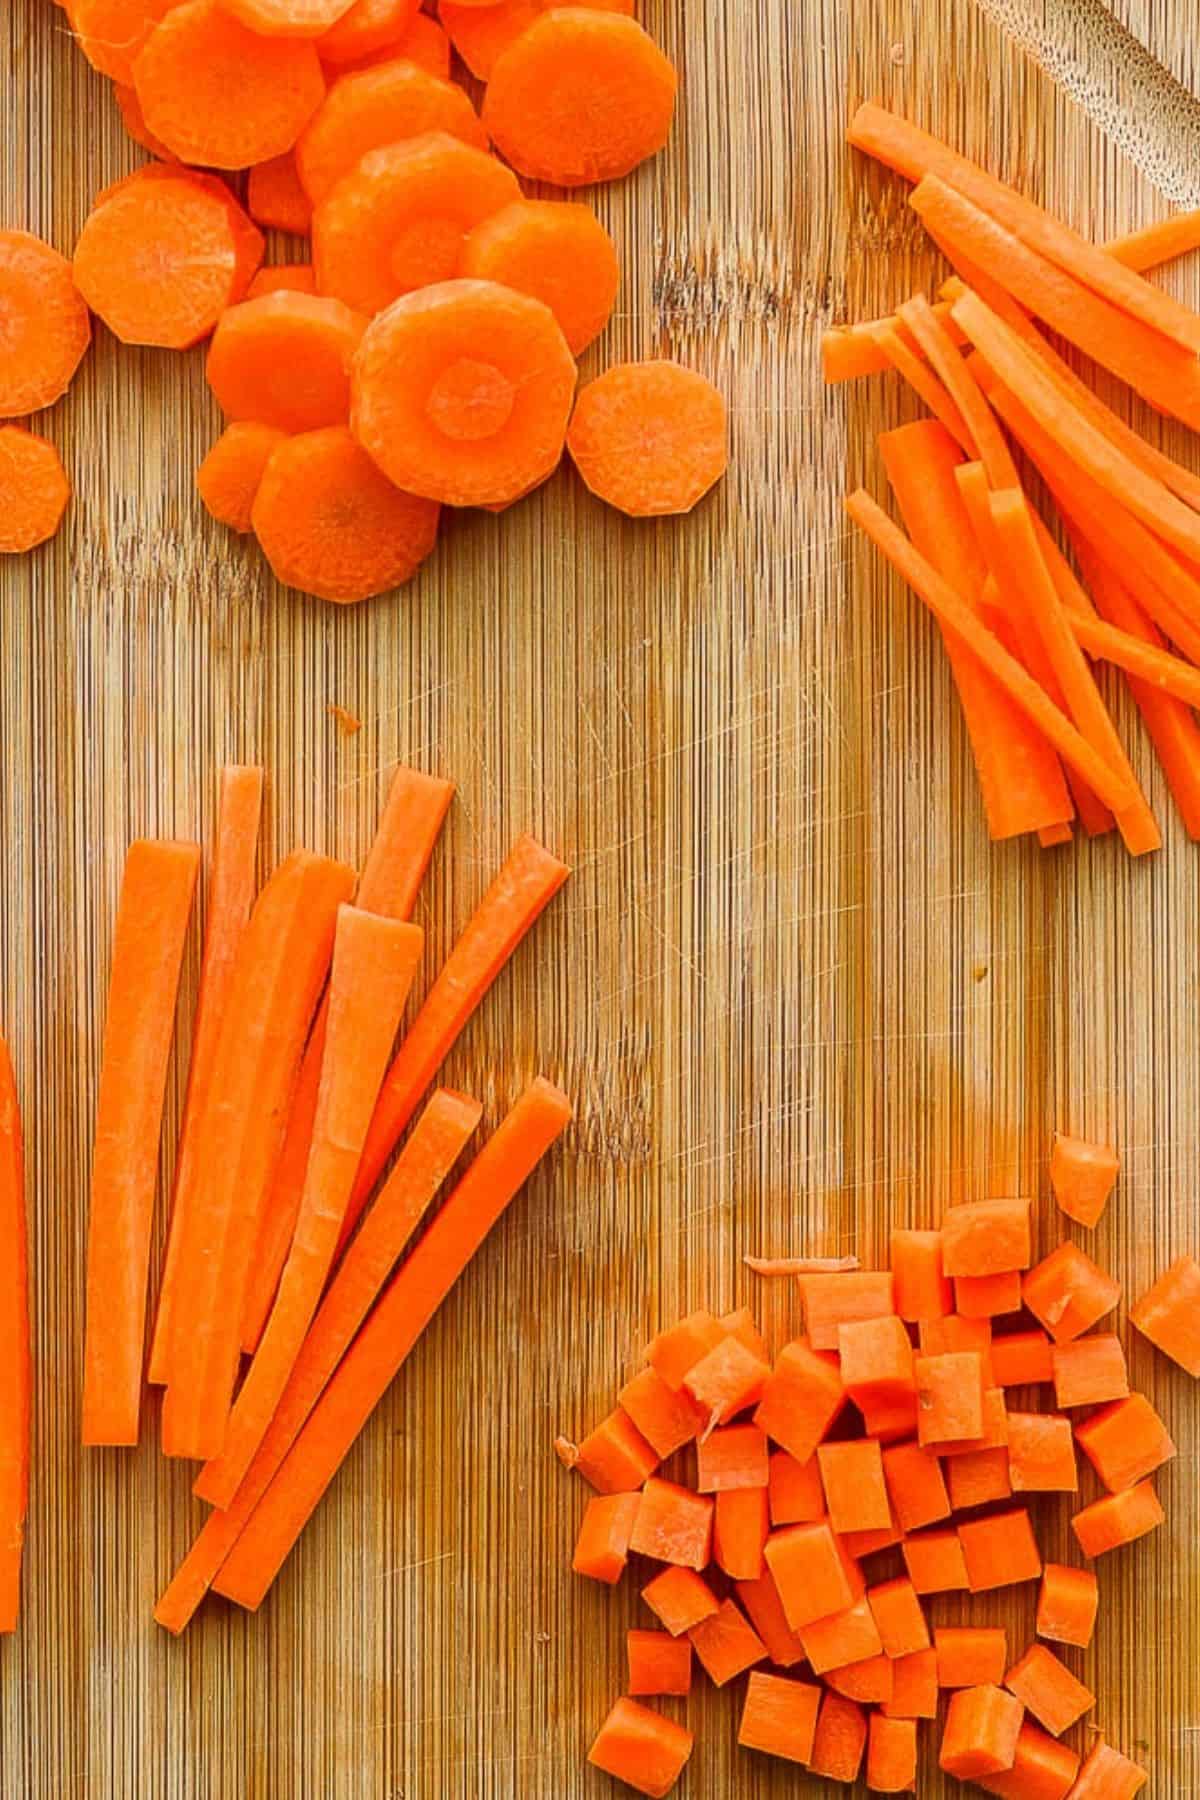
{"points": [[869, 1543], [869, 1682], [1022, 1359], [980, 1736], [1068, 1292], [999, 1551], [735, 1457], [1118, 1519], [615, 1458], [741, 1325], [1107, 1775], [667, 1418], [801, 1398], [987, 1296], [679, 1599], [1090, 1371], [740, 1530], [726, 1644], [935, 1562], [1082, 1176], [899, 1617], [855, 1494], [978, 1477], [658, 1663], [893, 1419], [994, 1435], [602, 1547], [1047, 1689], [673, 1525], [1041, 1454], [949, 1396], [1169, 1314], [939, 1337], [761, 1600], [727, 1379], [971, 1655], [876, 1361], [679, 1348], [916, 1486], [840, 1740], [914, 1687], [1043, 1769], [986, 1237], [1125, 1442], [813, 1575], [843, 1637], [641, 1748], [922, 1289], [831, 1301], [1067, 1605], [779, 1716], [891, 1755], [794, 1490]]}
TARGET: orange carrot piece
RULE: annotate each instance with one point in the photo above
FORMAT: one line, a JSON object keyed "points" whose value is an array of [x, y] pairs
{"points": [[1041, 1454], [813, 1574], [899, 1617], [921, 1287], [726, 1644], [372, 108], [34, 490], [939, 1337], [925, 383], [1000, 1551], [971, 1656], [641, 1748], [985, 435], [980, 1735], [761, 1601], [1090, 1371], [740, 1324], [555, 250], [1125, 1442], [855, 1494], [891, 1419], [151, 928], [276, 197], [47, 328], [423, 1164], [1022, 1359], [891, 1755], [876, 1361], [840, 1739], [801, 1398], [666, 1419], [987, 1296], [366, 27], [869, 1681], [986, 1237], [1047, 1689], [726, 1379], [581, 96], [674, 1525], [736, 1457], [1134, 656], [1043, 1769], [741, 1524], [679, 1598], [14, 1348], [1107, 1775], [287, 18], [221, 95], [1168, 1313], [914, 1687], [286, 278], [680, 1347], [1068, 1602], [424, 43], [949, 1397], [259, 346], [229, 477], [1068, 1292], [481, 34], [994, 1435], [978, 1477], [658, 1663], [779, 1717], [794, 1490], [650, 438], [831, 1301], [615, 1458], [869, 1543], [915, 1485], [111, 32], [602, 1547], [1118, 1519]]}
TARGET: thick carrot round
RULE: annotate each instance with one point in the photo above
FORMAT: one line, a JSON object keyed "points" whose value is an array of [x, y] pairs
{"points": [[130, 109], [14, 1348], [555, 250], [284, 360], [275, 196], [288, 18], [248, 240], [400, 219], [331, 525], [223, 96], [229, 476], [365, 27], [289, 278], [46, 324], [34, 489], [481, 34], [650, 438], [424, 43], [111, 32], [372, 108]]}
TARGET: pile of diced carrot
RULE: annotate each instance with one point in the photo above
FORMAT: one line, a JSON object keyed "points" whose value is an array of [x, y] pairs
{"points": [[1022, 624], [426, 355], [857, 1443]]}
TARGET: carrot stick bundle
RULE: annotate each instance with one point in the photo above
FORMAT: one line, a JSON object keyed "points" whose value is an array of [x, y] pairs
{"points": [[14, 1347], [152, 920]]}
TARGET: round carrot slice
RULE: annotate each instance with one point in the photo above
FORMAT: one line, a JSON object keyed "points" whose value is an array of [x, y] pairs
{"points": [[44, 324], [375, 107], [559, 252], [288, 18], [462, 391], [480, 34], [219, 94], [130, 108], [111, 32], [424, 43], [368, 26], [400, 219], [229, 476], [649, 437], [581, 96], [275, 197], [157, 260], [247, 238], [34, 489], [284, 359], [332, 525]]}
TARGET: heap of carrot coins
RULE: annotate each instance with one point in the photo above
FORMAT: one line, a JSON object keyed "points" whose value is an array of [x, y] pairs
{"points": [[425, 357], [1023, 624], [818, 1503], [290, 1293]]}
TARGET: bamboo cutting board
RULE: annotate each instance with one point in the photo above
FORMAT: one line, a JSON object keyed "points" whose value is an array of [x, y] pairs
{"points": [[795, 994]]}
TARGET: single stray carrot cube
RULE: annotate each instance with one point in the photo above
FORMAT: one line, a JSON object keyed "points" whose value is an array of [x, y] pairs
{"points": [[641, 1748], [794, 1490], [667, 1418], [914, 1687], [999, 1551], [813, 1574], [877, 1361], [916, 1486], [938, 1337], [935, 1562], [844, 1637], [1041, 1454], [1048, 1690], [949, 1396], [891, 1755], [1043, 1769], [740, 1530], [1107, 1775], [761, 1601], [986, 1237], [1118, 1519], [1090, 1370], [735, 1457], [727, 1379], [978, 1477], [1082, 1177], [971, 1655], [615, 1458], [1067, 1605], [602, 1547], [921, 1287], [869, 1681], [831, 1301], [987, 1296], [679, 1599], [1125, 1442], [673, 1525], [1022, 1359], [1169, 1314], [841, 1738], [658, 1663], [726, 1644], [679, 1348], [855, 1494], [779, 1716], [980, 1737], [801, 1398], [1068, 1292], [899, 1617]]}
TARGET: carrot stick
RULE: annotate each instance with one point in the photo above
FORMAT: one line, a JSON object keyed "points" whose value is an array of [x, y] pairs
{"points": [[409, 827], [281, 966], [801, 1265], [14, 1348], [152, 922], [954, 612], [524, 887], [1138, 656], [383, 1345], [985, 433], [926, 384], [230, 897], [374, 962], [429, 1153]]}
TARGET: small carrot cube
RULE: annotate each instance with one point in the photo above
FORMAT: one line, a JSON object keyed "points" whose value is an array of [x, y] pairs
{"points": [[869, 1543], [727, 1379], [899, 1617], [1118, 1519], [679, 1348], [841, 1738], [740, 1530], [842, 1638], [1041, 1454], [735, 1457], [741, 1325], [982, 1727], [727, 1644], [877, 1361], [667, 1418], [1048, 1690], [921, 1287], [949, 1396], [916, 1486], [891, 1755], [999, 1551], [794, 1490], [641, 1748], [673, 1525], [1107, 1775], [935, 1562], [615, 1458], [986, 1237], [813, 1574], [801, 1398], [1090, 1371], [1082, 1176], [994, 1435], [1067, 1605], [658, 1663], [987, 1296], [914, 1687], [602, 1547], [855, 1493], [779, 1716], [892, 1419], [679, 1599], [1022, 1359], [979, 1477], [761, 1601], [971, 1655], [831, 1301], [1169, 1314], [1068, 1292], [1043, 1769], [869, 1681], [1125, 1442], [939, 1337]]}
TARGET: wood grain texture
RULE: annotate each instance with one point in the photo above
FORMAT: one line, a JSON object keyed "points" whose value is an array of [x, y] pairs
{"points": [[796, 995]]}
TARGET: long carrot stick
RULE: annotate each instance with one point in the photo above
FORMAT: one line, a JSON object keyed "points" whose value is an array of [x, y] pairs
{"points": [[383, 1345], [152, 921], [409, 827], [935, 342], [926, 383], [230, 897], [1138, 656], [374, 962], [281, 967], [527, 882], [14, 1348], [430, 1152]]}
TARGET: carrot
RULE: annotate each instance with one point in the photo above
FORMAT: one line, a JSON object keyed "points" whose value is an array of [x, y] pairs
{"points": [[365, 28], [290, 278], [424, 43], [275, 196], [462, 392], [870, 1680], [287, 18], [130, 109], [921, 1288], [843, 1638], [761, 1601], [1048, 1690], [726, 1380], [46, 324], [855, 1494], [741, 1325], [868, 1543], [1022, 1359], [658, 1663], [641, 1748], [1090, 1371], [581, 96], [814, 1576], [801, 1265], [1168, 1313], [999, 1551], [230, 897], [1125, 1441], [994, 1434], [794, 1490], [678, 1598], [330, 524], [679, 1348], [111, 32], [938, 1337], [1041, 1454], [985, 439], [891, 1755], [524, 886], [949, 1397], [284, 360], [481, 34], [34, 490], [1068, 1293], [615, 1458], [899, 1618], [230, 475], [557, 251], [427, 1157], [1067, 1605], [735, 1457], [726, 1644], [666, 1419], [779, 1717], [915, 1485], [152, 920], [1043, 1769], [1117, 1519], [800, 1400], [221, 95], [978, 1477], [986, 1237], [602, 1547], [741, 1524], [372, 108], [926, 384], [1107, 1775], [650, 438], [831, 1301], [840, 1739], [971, 1656], [987, 1296], [400, 219], [14, 1347], [914, 1687], [876, 1361], [980, 1735]]}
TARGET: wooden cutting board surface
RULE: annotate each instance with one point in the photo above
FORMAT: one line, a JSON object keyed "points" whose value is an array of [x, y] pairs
{"points": [[797, 997]]}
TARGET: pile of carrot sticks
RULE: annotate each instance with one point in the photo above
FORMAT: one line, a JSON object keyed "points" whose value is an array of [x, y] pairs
{"points": [[1022, 624], [290, 1296]]}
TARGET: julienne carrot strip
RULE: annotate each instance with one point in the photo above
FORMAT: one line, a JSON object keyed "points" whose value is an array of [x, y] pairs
{"points": [[927, 384], [383, 1345], [230, 897], [281, 966], [14, 1347], [374, 962], [960, 384], [527, 882], [429, 1153], [409, 827], [801, 1265], [152, 920]]}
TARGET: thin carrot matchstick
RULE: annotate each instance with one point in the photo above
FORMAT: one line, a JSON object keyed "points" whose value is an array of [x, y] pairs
{"points": [[927, 384], [14, 1348], [801, 1265]]}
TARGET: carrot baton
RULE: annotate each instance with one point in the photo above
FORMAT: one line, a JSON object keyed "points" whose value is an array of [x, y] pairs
{"points": [[231, 895], [374, 962], [801, 1265], [383, 1345], [429, 1153], [152, 921], [524, 887], [927, 385], [281, 966], [14, 1348]]}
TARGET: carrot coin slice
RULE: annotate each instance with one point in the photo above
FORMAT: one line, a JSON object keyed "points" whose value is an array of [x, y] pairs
{"points": [[284, 360], [650, 437], [559, 252], [372, 108], [230, 475], [288, 18], [34, 489], [481, 34], [44, 324], [368, 26]]}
